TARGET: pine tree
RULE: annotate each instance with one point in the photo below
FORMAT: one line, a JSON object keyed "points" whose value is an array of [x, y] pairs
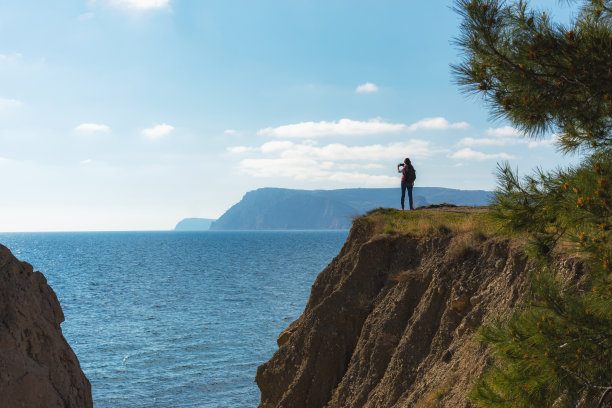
{"points": [[544, 77]]}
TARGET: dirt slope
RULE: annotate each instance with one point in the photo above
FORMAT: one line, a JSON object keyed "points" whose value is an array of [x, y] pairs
{"points": [[37, 366], [391, 322]]}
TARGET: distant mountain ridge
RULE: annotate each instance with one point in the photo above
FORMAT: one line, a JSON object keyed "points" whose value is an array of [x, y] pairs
{"points": [[285, 209]]}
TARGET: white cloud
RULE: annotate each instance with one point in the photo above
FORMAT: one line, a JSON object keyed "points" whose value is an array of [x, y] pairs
{"points": [[438, 123], [239, 149], [91, 127], [158, 131], [86, 161], [485, 141], [276, 146], [506, 131], [506, 135], [470, 154], [349, 127], [332, 162], [230, 132], [368, 87], [9, 103], [342, 127], [340, 152], [140, 4], [311, 170]]}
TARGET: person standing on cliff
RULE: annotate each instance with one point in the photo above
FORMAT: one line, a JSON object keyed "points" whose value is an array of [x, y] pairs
{"points": [[408, 177]]}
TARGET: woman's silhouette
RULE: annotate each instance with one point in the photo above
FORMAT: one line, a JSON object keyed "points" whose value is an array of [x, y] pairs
{"points": [[408, 177]]}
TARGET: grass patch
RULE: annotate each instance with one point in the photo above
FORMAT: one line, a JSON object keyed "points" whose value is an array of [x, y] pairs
{"points": [[433, 221]]}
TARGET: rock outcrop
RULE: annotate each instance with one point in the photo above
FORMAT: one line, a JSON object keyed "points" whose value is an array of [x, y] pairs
{"points": [[391, 322], [37, 366]]}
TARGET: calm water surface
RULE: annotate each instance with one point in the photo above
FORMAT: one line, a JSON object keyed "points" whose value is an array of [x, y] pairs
{"points": [[177, 319]]}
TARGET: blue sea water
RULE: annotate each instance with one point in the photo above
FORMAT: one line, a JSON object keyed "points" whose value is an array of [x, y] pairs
{"points": [[177, 319]]}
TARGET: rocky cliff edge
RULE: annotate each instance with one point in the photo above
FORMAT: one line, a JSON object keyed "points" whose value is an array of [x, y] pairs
{"points": [[37, 366], [391, 322]]}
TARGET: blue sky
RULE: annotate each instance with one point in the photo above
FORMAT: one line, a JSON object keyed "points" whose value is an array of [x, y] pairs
{"points": [[134, 114]]}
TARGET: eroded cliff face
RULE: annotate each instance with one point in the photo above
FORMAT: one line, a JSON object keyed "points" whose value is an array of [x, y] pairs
{"points": [[391, 322], [37, 366]]}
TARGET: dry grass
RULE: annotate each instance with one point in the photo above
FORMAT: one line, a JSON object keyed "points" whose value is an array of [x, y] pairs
{"points": [[469, 226], [474, 221], [434, 398]]}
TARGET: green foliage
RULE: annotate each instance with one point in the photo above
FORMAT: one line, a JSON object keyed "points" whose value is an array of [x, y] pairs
{"points": [[539, 75], [559, 343], [573, 204], [557, 346], [544, 77]]}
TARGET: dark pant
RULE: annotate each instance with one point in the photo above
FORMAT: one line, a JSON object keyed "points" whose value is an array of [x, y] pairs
{"points": [[407, 186]]}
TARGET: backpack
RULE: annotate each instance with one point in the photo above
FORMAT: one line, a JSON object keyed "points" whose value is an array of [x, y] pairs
{"points": [[409, 174]]}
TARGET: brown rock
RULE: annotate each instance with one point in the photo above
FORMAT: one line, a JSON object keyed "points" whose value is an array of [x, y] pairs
{"points": [[37, 366], [460, 302], [368, 339]]}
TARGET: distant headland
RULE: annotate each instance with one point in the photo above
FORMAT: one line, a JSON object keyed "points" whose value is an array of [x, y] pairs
{"points": [[194, 224], [286, 209]]}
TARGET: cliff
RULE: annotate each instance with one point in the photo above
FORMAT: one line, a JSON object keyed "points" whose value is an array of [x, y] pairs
{"points": [[194, 224], [391, 322], [280, 208], [37, 366]]}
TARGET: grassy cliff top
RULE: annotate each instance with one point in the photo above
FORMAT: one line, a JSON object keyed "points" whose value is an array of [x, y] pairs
{"points": [[473, 224], [432, 219]]}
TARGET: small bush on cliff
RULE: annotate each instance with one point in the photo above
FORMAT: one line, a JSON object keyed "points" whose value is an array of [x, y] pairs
{"points": [[545, 77]]}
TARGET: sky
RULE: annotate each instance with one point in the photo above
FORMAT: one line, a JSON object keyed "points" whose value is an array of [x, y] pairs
{"points": [[135, 114]]}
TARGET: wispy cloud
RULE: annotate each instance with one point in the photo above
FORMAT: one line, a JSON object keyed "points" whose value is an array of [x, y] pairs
{"points": [[487, 141], [469, 154], [276, 146], [503, 136], [342, 127], [85, 162], [438, 123], [368, 87], [140, 4], [239, 149], [506, 131], [332, 162], [91, 127], [349, 127], [340, 152], [158, 131], [312, 170], [230, 131], [9, 103]]}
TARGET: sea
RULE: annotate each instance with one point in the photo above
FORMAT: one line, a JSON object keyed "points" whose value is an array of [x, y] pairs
{"points": [[177, 319]]}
